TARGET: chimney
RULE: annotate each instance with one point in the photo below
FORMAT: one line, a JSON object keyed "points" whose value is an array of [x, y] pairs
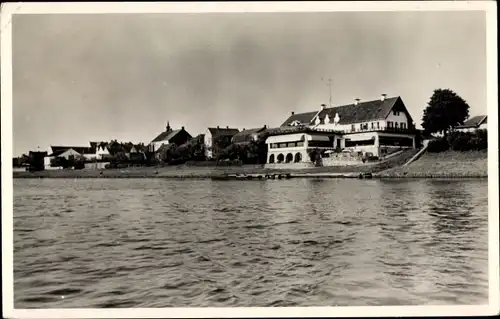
{"points": [[323, 106], [293, 113], [182, 128], [265, 126], [218, 127], [382, 97], [356, 101], [227, 127]]}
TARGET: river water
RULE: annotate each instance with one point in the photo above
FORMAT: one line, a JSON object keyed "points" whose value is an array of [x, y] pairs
{"points": [[164, 243]]}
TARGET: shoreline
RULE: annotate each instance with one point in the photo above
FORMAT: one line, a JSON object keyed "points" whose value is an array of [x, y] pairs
{"points": [[446, 165], [231, 176]]}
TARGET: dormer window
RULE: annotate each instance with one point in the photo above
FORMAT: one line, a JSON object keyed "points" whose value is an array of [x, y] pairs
{"points": [[317, 121], [327, 119], [396, 113], [295, 123]]}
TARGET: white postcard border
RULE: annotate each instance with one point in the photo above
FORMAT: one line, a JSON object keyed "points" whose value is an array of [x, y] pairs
{"points": [[155, 7]]}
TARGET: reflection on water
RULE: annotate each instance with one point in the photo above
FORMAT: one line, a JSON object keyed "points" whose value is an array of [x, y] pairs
{"points": [[162, 243]]}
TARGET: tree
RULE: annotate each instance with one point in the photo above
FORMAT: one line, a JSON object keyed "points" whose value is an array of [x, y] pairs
{"points": [[444, 111]]}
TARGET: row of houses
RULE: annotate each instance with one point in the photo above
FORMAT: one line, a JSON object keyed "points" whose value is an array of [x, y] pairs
{"points": [[375, 128], [96, 154]]}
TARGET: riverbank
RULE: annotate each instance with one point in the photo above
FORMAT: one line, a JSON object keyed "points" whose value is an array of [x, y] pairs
{"points": [[185, 172], [449, 164], [430, 165]]}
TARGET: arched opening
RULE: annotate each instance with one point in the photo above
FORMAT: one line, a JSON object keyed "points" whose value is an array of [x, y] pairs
{"points": [[271, 159], [280, 158], [298, 158], [289, 157]]}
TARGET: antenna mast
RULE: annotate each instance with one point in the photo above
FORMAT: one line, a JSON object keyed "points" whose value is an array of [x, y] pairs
{"points": [[330, 87]]}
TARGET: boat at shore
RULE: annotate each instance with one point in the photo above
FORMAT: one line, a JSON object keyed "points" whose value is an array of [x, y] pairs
{"points": [[252, 176]]}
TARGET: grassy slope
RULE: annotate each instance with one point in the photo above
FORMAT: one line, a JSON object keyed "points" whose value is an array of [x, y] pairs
{"points": [[446, 164]]}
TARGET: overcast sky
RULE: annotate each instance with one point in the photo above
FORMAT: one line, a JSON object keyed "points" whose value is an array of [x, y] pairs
{"points": [[80, 78]]}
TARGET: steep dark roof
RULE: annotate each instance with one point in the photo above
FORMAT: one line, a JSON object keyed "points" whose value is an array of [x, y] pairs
{"points": [[166, 136], [78, 149], [474, 121], [350, 113], [216, 131], [246, 135], [303, 118]]}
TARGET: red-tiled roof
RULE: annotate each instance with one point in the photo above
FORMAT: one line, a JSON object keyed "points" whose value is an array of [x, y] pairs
{"points": [[474, 122], [350, 113]]}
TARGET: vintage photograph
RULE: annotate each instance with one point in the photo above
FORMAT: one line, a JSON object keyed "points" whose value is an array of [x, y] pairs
{"points": [[252, 158]]}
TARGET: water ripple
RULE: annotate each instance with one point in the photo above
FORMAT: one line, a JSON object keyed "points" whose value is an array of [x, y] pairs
{"points": [[155, 243]]}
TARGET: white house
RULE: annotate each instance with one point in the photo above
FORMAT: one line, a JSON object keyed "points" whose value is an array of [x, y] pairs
{"points": [[377, 128], [87, 152], [479, 122], [288, 145], [101, 150], [223, 136], [169, 136]]}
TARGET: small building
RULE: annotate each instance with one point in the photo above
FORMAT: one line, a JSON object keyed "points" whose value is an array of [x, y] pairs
{"points": [[473, 124], [216, 139], [248, 135], [169, 136], [69, 152], [292, 145], [375, 128], [36, 160], [101, 150]]}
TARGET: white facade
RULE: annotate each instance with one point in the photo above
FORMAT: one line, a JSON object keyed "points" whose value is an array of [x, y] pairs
{"points": [[67, 154], [208, 141], [393, 120], [483, 126], [156, 145], [293, 148]]}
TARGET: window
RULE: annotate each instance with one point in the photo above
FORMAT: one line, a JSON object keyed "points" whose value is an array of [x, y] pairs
{"points": [[289, 157], [320, 144], [282, 145], [396, 113], [395, 141], [299, 144], [389, 124], [373, 125], [378, 125], [396, 124], [281, 158], [271, 159], [353, 127], [349, 143], [403, 125]]}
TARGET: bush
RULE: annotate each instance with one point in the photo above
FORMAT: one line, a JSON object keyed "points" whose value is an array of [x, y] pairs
{"points": [[438, 145], [460, 142]]}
